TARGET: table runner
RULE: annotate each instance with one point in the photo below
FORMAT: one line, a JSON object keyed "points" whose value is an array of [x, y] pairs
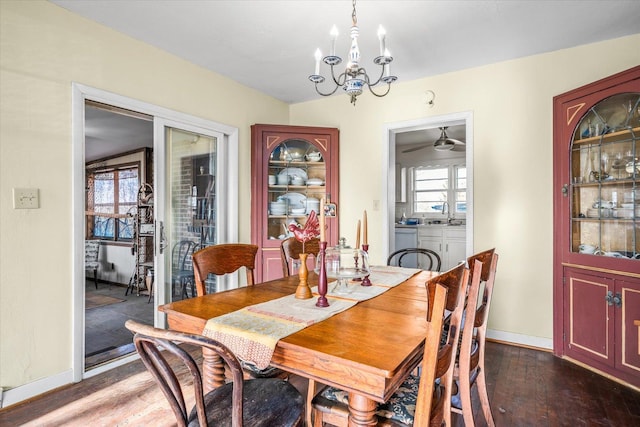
{"points": [[253, 332]]}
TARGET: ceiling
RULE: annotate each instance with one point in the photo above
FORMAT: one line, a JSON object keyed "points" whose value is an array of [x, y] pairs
{"points": [[269, 45]]}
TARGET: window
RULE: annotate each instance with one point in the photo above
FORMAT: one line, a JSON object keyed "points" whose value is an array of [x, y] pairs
{"points": [[112, 193], [435, 186]]}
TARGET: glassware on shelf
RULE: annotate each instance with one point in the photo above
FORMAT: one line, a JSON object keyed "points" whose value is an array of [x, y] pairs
{"points": [[618, 164], [605, 163]]}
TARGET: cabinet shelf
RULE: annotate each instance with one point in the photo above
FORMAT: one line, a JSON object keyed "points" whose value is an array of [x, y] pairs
{"points": [[617, 136], [285, 163], [608, 219], [296, 187]]}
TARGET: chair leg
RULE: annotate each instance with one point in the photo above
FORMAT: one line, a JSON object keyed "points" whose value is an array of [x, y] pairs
{"points": [[481, 385], [95, 277], [311, 393]]}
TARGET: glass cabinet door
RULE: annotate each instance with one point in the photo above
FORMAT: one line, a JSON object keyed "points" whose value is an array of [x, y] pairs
{"points": [[605, 206], [297, 176]]}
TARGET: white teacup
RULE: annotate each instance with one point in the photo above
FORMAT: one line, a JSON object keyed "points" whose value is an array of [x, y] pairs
{"points": [[272, 180], [586, 249]]}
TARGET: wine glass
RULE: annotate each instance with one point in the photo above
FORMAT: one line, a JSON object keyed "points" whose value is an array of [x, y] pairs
{"points": [[348, 265]]}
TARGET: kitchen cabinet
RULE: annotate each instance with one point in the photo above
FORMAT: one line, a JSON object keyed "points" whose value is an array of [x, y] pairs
{"points": [[597, 225], [293, 168], [449, 242]]}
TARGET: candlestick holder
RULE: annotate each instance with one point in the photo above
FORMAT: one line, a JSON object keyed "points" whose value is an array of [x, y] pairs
{"points": [[322, 277], [303, 291], [365, 280]]}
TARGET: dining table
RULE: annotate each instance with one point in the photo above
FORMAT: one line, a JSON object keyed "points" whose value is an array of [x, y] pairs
{"points": [[367, 350]]}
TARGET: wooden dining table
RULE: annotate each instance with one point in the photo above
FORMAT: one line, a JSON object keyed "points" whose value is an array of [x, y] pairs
{"points": [[367, 350]]}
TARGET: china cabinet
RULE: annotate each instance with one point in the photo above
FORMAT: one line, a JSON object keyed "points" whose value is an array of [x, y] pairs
{"points": [[293, 168], [597, 225]]}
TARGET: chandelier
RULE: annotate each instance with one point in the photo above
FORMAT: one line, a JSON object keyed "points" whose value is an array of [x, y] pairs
{"points": [[354, 78]]}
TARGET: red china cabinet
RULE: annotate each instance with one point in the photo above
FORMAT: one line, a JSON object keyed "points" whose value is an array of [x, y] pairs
{"points": [[597, 226], [292, 169]]}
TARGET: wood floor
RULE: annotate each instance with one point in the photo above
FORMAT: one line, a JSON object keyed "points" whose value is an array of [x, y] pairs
{"points": [[526, 388]]}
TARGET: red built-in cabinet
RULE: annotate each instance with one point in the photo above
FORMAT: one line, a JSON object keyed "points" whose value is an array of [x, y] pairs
{"points": [[597, 225], [292, 169]]}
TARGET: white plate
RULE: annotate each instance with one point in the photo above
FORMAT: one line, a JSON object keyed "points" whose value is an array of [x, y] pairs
{"points": [[296, 200], [315, 181], [294, 172]]}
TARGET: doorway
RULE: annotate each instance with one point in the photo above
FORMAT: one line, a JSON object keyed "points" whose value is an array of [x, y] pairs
{"points": [[121, 220], [393, 179], [118, 162]]}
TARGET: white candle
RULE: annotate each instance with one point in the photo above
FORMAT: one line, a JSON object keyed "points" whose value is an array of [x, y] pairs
{"points": [[318, 55], [334, 37], [365, 237], [381, 36], [322, 232], [358, 236], [387, 66]]}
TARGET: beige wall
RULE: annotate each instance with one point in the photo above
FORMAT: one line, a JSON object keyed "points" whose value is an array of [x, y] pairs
{"points": [[44, 48], [512, 105]]}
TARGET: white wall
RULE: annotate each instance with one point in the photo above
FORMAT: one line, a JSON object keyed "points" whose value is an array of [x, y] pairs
{"points": [[511, 103], [43, 50]]}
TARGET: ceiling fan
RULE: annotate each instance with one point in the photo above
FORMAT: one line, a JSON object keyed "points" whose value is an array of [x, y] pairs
{"points": [[444, 143]]}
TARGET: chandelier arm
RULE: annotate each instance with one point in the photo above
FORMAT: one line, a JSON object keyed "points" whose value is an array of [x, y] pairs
{"points": [[341, 76], [328, 93], [382, 94]]}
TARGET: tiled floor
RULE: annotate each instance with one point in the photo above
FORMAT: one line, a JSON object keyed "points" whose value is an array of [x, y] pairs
{"points": [[104, 326]]}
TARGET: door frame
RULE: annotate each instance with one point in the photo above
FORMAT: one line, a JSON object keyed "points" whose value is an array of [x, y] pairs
{"points": [[389, 164], [79, 94]]}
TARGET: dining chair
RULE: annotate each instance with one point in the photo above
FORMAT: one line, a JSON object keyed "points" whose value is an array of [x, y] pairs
{"points": [[264, 402], [470, 367], [434, 263], [425, 399], [91, 263], [290, 250], [223, 259], [182, 268]]}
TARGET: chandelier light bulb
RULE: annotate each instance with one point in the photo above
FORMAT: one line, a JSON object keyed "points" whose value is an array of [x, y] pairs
{"points": [[318, 56], [334, 37], [382, 34]]}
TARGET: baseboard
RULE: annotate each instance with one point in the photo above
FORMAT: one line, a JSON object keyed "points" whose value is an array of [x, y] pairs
{"points": [[519, 339], [27, 391]]}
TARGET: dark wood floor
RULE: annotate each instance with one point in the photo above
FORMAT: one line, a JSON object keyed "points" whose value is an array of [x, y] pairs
{"points": [[526, 388]]}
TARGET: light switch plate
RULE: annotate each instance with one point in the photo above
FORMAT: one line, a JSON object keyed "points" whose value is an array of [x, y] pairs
{"points": [[26, 198]]}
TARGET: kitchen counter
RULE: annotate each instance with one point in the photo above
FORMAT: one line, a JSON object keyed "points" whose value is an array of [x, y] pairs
{"points": [[430, 225]]}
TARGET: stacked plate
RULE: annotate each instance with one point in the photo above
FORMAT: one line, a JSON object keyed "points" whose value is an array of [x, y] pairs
{"points": [[278, 208]]}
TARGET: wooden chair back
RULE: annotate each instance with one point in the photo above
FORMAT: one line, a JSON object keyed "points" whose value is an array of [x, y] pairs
{"points": [[223, 259], [285, 404], [470, 367], [433, 401], [434, 261], [433, 406], [290, 250]]}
